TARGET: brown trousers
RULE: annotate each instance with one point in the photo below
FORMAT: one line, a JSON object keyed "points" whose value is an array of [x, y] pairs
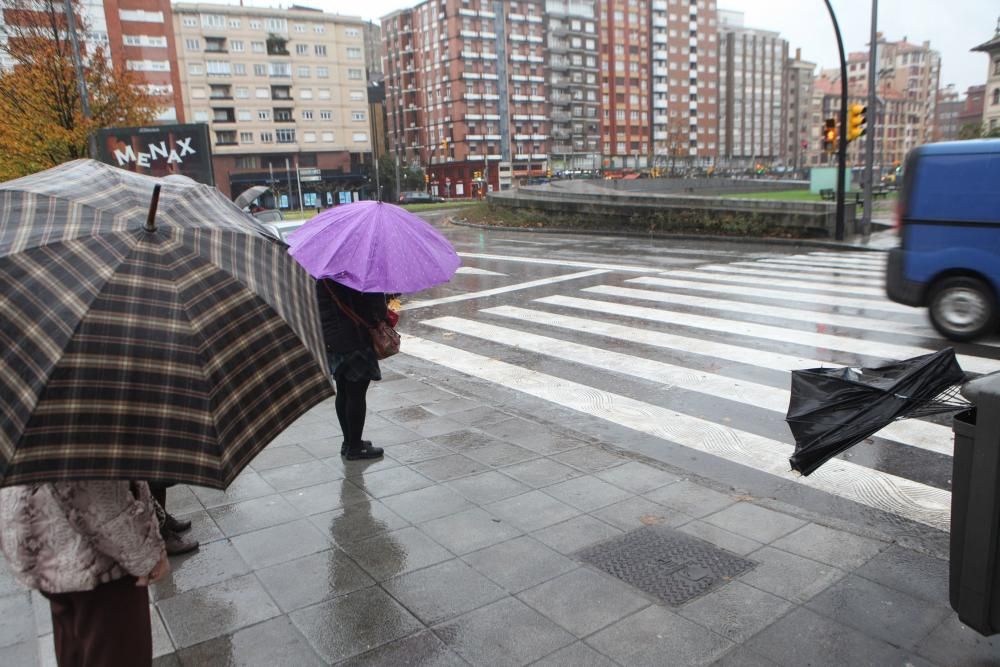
{"points": [[106, 627]]}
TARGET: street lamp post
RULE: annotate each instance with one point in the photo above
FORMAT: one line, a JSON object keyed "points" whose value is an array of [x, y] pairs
{"points": [[842, 134], [871, 120]]}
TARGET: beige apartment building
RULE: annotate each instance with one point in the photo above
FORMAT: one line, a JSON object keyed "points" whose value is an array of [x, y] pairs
{"points": [[284, 94], [991, 100]]}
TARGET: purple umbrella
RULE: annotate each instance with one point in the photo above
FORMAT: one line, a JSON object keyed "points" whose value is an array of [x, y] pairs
{"points": [[374, 247]]}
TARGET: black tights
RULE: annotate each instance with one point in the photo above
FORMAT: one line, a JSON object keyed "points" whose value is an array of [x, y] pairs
{"points": [[351, 408]]}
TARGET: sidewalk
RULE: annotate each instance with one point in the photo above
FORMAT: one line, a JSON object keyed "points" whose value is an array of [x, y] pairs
{"points": [[466, 545]]}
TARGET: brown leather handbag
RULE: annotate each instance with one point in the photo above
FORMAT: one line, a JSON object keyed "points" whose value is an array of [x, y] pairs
{"points": [[385, 339]]}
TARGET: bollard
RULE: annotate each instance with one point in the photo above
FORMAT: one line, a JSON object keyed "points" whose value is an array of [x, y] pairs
{"points": [[974, 568]]}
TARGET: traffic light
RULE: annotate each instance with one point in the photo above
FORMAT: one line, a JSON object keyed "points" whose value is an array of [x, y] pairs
{"points": [[548, 173], [427, 178], [856, 121], [476, 175], [830, 134]]}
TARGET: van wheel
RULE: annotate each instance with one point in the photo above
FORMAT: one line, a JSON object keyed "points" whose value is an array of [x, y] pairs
{"points": [[963, 308]]}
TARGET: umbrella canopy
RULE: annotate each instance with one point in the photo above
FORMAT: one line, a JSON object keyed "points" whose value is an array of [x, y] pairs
{"points": [[172, 355], [248, 195], [374, 247], [832, 409]]}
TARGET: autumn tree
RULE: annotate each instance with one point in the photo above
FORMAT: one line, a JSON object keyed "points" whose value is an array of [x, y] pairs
{"points": [[41, 113]]}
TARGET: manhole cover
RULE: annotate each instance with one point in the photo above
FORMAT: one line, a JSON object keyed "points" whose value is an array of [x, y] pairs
{"points": [[666, 563]]}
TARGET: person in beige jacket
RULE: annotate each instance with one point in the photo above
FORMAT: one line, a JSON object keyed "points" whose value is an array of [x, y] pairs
{"points": [[90, 548]]}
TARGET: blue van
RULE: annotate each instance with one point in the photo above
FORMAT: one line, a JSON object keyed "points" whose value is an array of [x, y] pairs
{"points": [[948, 219]]}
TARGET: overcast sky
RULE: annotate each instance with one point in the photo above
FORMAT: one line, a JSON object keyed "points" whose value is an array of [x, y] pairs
{"points": [[951, 26]]}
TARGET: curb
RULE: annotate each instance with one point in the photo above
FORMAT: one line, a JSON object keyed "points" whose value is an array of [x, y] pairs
{"points": [[806, 243]]}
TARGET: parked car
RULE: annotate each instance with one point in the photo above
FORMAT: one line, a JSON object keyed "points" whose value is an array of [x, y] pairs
{"points": [[419, 198], [949, 225]]}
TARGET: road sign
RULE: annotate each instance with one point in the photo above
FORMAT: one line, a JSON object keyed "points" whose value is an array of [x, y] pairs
{"points": [[311, 179], [308, 171]]}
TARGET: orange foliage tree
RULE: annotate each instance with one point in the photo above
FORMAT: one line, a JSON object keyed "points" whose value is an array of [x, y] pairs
{"points": [[41, 114]]}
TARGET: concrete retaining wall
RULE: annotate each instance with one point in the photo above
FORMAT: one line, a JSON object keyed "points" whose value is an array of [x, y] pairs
{"points": [[680, 213]]}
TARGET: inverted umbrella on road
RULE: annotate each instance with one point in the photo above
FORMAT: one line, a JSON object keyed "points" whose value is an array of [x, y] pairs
{"points": [[374, 247], [833, 409], [170, 348]]}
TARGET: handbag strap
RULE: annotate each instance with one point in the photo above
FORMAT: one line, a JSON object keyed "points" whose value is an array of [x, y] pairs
{"points": [[346, 310]]}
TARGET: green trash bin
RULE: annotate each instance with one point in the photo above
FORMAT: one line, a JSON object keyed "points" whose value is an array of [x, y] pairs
{"points": [[974, 569]]}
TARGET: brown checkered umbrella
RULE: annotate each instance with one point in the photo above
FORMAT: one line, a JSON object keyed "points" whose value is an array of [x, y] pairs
{"points": [[172, 355]]}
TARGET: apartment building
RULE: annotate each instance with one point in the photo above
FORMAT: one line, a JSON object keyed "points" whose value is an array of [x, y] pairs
{"points": [[991, 101], [947, 108], [625, 85], [752, 110], [574, 89], [467, 91], [973, 108], [374, 50], [283, 91], [134, 34], [799, 130], [684, 76]]}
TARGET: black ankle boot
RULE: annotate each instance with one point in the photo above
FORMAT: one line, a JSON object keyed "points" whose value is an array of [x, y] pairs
{"points": [[363, 450], [343, 446]]}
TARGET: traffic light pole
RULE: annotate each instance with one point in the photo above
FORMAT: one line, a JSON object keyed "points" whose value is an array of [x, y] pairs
{"points": [[871, 121], [842, 134]]}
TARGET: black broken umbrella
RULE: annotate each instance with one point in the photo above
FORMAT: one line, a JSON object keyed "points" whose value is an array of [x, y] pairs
{"points": [[833, 409]]}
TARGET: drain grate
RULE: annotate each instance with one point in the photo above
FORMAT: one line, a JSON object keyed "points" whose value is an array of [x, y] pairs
{"points": [[672, 566]]}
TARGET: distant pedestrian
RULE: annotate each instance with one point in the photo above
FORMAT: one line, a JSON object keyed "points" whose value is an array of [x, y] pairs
{"points": [[352, 360], [90, 548]]}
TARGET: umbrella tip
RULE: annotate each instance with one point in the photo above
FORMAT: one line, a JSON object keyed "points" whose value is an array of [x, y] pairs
{"points": [[151, 217]]}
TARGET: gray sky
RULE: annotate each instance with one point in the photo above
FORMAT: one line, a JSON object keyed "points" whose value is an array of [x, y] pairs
{"points": [[951, 26]]}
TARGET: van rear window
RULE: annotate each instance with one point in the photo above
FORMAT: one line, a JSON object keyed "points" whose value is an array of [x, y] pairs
{"points": [[956, 187]]}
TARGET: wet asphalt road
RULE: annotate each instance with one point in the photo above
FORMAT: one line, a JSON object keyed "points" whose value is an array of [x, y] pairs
{"points": [[681, 350]]}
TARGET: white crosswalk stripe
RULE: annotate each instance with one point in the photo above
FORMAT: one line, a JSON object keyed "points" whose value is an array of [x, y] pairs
{"points": [[611, 332]]}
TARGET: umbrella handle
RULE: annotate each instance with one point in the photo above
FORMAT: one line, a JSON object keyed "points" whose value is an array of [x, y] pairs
{"points": [[151, 218]]}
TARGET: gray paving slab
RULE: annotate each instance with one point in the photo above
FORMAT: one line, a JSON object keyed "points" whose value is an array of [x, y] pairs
{"points": [[389, 435], [590, 459], [450, 467], [443, 591], [827, 545], [210, 564], [382, 483], [743, 657], [298, 475], [355, 623], [417, 451], [390, 554], [637, 477], [732, 542], [575, 655], [273, 642], [277, 544], [735, 611], [275, 457], [754, 522], [576, 533], [909, 571], [637, 511], [488, 487], [655, 636], [501, 454], [520, 563], [878, 611], [21, 653], [952, 641], [203, 527], [533, 510], [690, 498], [358, 521], [428, 503], [587, 493], [790, 576], [541, 472], [469, 530], [325, 497], [249, 515], [466, 439], [423, 649], [315, 578], [247, 485], [18, 619], [181, 500], [504, 633], [584, 601], [213, 611]]}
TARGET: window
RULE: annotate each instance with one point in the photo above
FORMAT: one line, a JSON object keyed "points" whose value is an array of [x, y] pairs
{"points": [[264, 114], [300, 27], [309, 137], [302, 71], [139, 15], [285, 136], [281, 70], [262, 93], [353, 53], [255, 24], [319, 28], [239, 69], [236, 46], [351, 32], [324, 93], [245, 115], [217, 68], [357, 115], [327, 136], [283, 116], [196, 69], [325, 115], [267, 137], [189, 21], [320, 49], [145, 40], [355, 74], [301, 49], [246, 137], [996, 96], [305, 93], [213, 21], [360, 137], [307, 115], [234, 24], [258, 47], [357, 96], [197, 93], [260, 69], [246, 162], [275, 24], [323, 72]]}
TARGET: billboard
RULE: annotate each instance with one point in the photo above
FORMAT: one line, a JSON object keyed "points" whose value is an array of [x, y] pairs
{"points": [[159, 150]]}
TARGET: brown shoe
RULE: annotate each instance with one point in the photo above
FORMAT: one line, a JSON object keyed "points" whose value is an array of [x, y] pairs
{"points": [[176, 525], [178, 544]]}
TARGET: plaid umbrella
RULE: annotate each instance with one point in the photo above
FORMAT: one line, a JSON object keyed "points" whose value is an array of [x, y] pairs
{"points": [[172, 355]]}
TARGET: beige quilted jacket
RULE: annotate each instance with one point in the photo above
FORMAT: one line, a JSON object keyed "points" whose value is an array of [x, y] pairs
{"points": [[72, 536]]}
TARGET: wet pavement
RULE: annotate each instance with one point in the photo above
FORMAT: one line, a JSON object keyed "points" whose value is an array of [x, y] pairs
{"points": [[515, 468], [463, 547]]}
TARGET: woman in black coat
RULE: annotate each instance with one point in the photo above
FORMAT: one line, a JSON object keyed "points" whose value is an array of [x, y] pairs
{"points": [[352, 360]]}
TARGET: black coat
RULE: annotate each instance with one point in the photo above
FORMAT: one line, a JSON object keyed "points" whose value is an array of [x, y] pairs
{"points": [[340, 332]]}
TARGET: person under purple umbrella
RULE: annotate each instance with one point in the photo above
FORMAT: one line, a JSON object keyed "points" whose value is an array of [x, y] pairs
{"points": [[359, 253], [353, 363]]}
